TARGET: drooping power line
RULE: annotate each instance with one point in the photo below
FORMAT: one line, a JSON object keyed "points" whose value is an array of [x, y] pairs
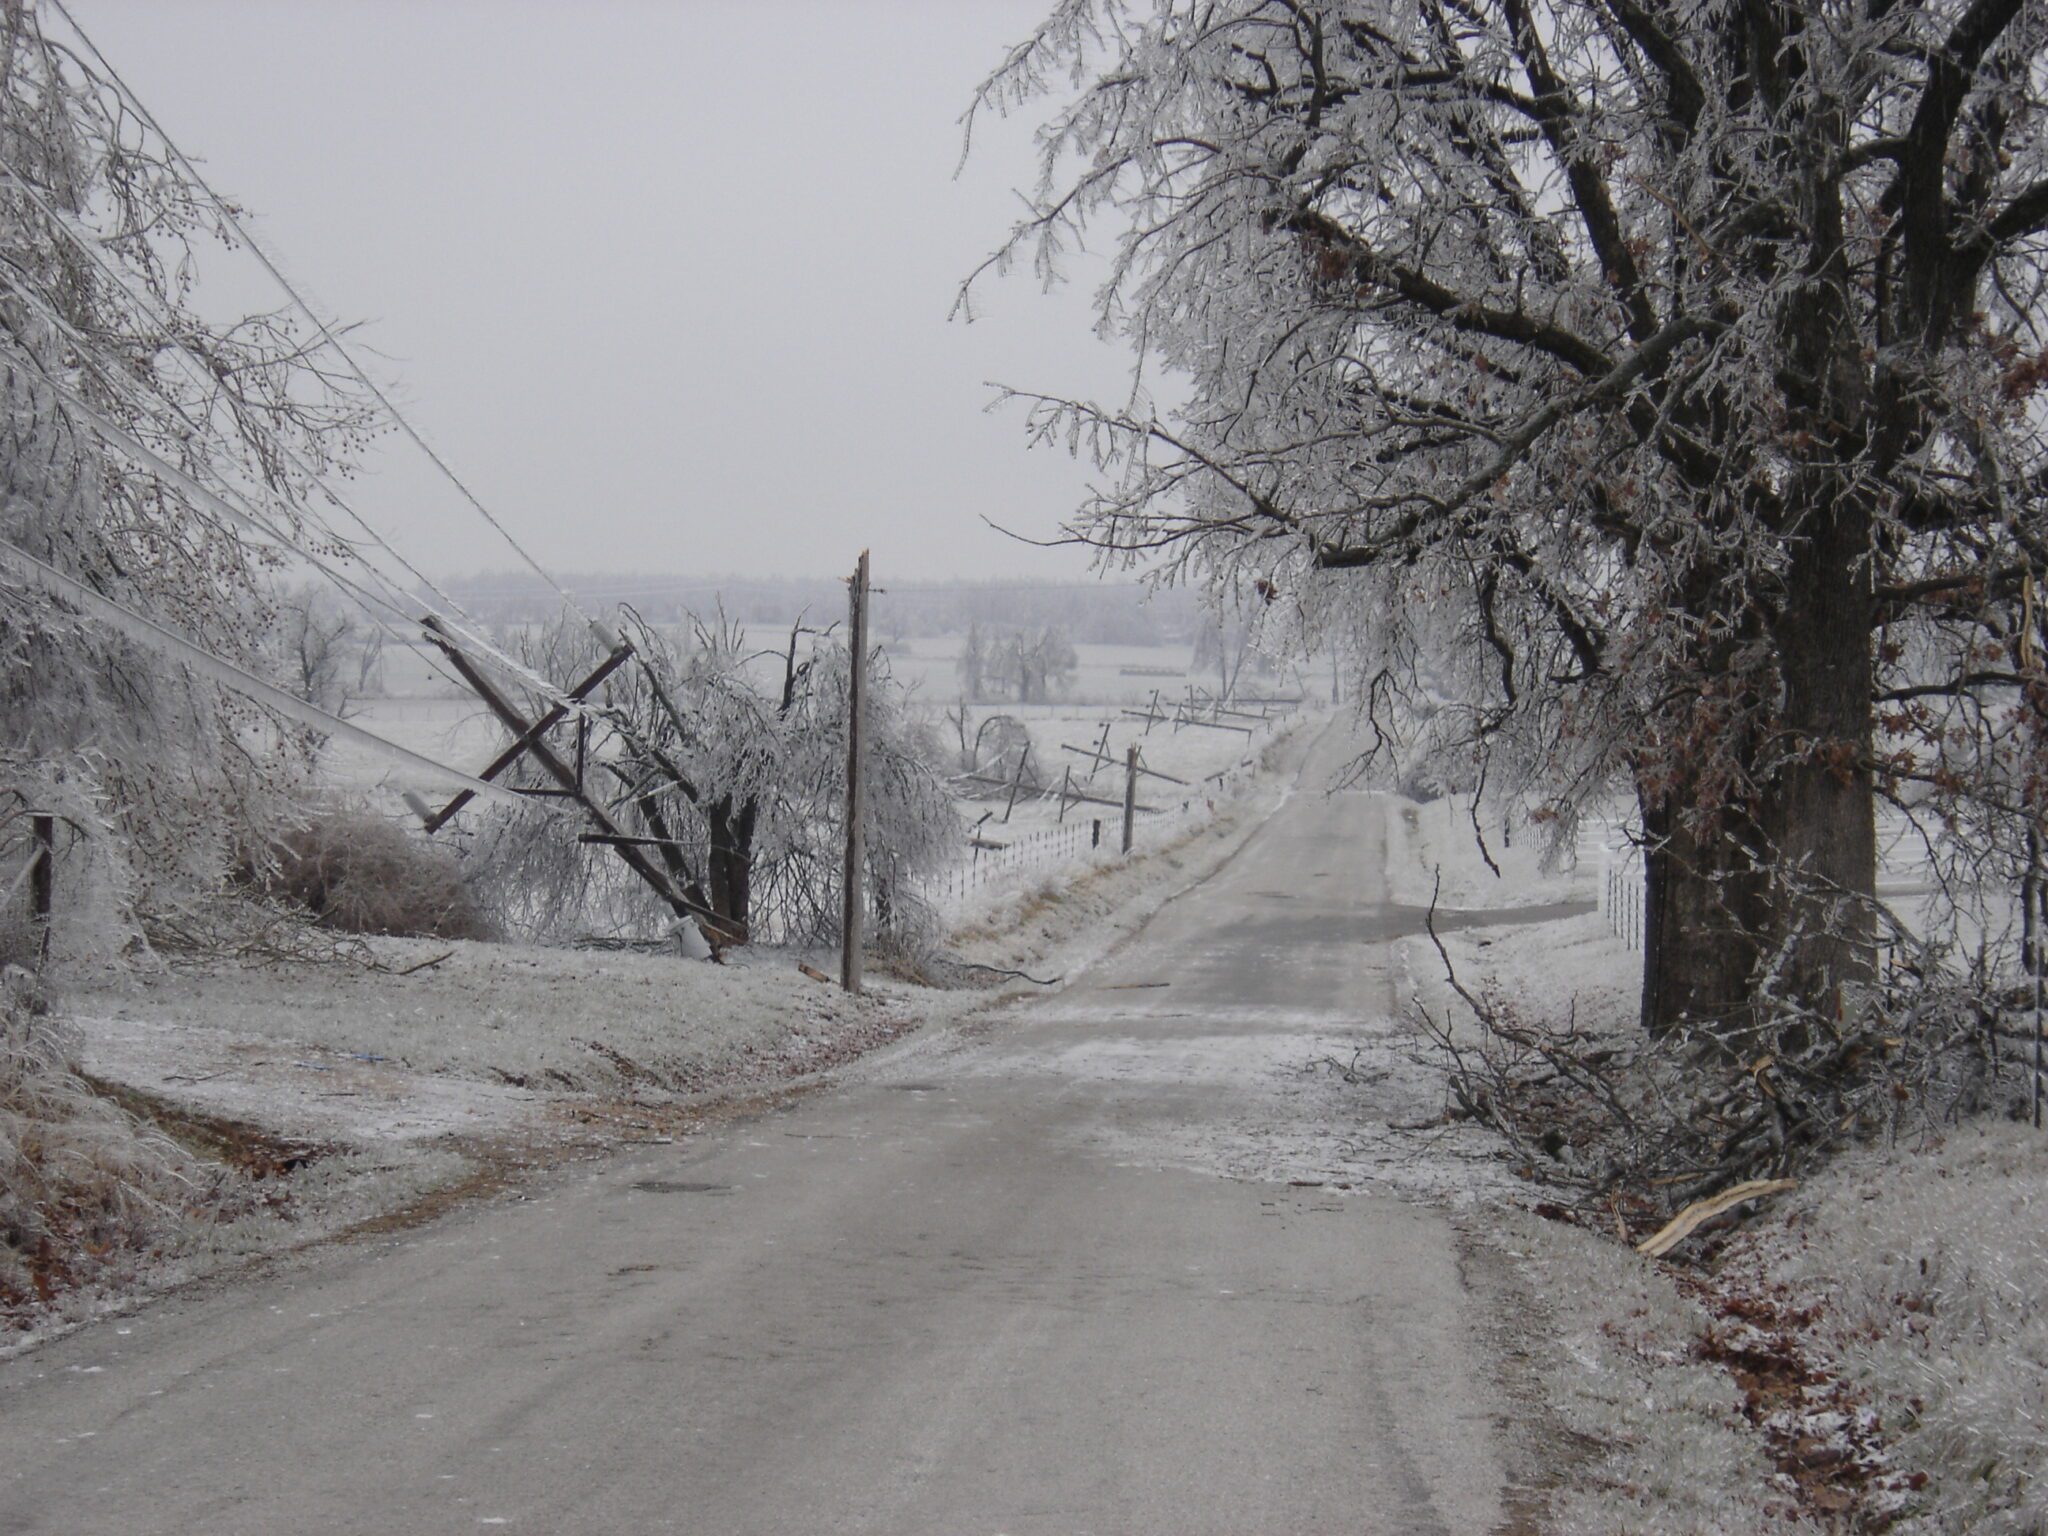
{"points": [[154, 637], [153, 313]]}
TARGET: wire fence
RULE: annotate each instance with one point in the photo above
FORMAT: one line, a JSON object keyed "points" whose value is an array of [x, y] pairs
{"points": [[990, 860], [1621, 896], [993, 855]]}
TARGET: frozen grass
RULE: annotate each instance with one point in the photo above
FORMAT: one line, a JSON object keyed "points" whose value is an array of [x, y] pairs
{"points": [[98, 1206], [1664, 1446], [1931, 1271], [506, 1015]]}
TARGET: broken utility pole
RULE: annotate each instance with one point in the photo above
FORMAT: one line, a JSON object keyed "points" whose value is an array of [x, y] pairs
{"points": [[532, 734], [527, 741]]}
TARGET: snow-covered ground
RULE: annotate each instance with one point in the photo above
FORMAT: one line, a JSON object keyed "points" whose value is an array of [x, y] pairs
{"points": [[489, 1028]]}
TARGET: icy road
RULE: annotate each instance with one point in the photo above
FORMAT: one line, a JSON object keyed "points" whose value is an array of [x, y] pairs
{"points": [[1045, 1275]]}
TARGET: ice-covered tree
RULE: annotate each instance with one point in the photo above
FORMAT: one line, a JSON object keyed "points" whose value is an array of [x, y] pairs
{"points": [[122, 406], [733, 764], [324, 651], [1660, 375], [1035, 662]]}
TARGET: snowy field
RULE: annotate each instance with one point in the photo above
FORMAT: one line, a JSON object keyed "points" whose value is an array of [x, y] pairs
{"points": [[1103, 674], [420, 707]]}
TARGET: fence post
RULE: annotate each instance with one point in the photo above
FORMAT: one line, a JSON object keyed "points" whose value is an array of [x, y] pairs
{"points": [[42, 883]]}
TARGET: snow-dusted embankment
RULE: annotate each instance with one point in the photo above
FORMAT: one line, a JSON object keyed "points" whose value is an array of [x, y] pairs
{"points": [[1869, 1349]]}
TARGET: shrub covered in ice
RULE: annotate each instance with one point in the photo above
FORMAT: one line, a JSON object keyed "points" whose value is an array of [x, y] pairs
{"points": [[362, 873]]}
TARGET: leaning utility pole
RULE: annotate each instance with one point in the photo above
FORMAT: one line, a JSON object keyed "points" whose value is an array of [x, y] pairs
{"points": [[856, 850]]}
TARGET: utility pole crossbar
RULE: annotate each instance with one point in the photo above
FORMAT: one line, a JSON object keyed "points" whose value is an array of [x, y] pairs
{"points": [[528, 738]]}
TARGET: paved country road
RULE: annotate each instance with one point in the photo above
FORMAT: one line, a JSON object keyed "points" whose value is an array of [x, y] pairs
{"points": [[1043, 1275]]}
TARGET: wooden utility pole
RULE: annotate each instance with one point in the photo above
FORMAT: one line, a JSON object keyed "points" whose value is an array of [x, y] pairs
{"points": [[856, 797], [1130, 794]]}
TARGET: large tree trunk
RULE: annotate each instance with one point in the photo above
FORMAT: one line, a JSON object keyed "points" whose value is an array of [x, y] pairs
{"points": [[1820, 811], [1705, 898], [1703, 910], [1819, 807]]}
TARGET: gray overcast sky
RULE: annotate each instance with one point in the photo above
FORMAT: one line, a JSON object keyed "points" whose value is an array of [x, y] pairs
{"points": [[667, 282]]}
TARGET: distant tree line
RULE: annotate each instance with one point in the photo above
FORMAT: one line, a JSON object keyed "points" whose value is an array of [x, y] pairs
{"points": [[1090, 613]]}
